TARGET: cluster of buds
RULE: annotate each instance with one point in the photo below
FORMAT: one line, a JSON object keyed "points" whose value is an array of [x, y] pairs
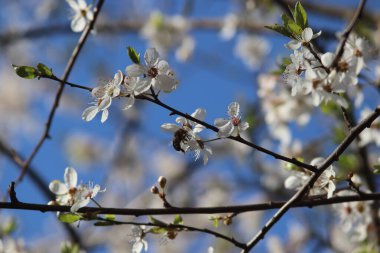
{"points": [[160, 190]]}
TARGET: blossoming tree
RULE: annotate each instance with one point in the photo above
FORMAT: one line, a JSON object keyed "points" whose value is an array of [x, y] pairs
{"points": [[298, 129]]}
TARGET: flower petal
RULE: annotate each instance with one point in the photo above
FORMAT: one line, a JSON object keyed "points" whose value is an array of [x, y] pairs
{"points": [[78, 23], [307, 34], [130, 101], [233, 109], [199, 113], [169, 127], [71, 177], [58, 188], [135, 70], [104, 116], [151, 57], [89, 113], [327, 59]]}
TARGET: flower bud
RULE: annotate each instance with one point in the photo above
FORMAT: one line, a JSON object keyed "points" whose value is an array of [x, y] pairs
{"points": [[162, 181], [154, 190]]}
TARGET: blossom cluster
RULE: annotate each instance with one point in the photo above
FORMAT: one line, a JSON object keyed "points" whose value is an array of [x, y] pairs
{"points": [[327, 77], [68, 193]]}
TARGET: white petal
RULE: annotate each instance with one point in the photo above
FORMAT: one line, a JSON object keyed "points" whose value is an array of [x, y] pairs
{"points": [[198, 128], [307, 34], [327, 59], [73, 4], [165, 83], [317, 35], [330, 190], [243, 126], [105, 103], [78, 23], [79, 204], [163, 66], [199, 113], [317, 161], [151, 57], [137, 246], [141, 85], [293, 44], [58, 187], [118, 78], [104, 116], [95, 191], [169, 127], [130, 101], [234, 109], [71, 177], [82, 4], [135, 70], [292, 182], [89, 113]]}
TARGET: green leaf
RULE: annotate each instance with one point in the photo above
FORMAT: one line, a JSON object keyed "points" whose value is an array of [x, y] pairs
{"points": [[25, 71], [44, 70], [280, 29], [157, 222], [291, 26], [69, 217], [215, 221], [133, 55], [178, 220], [103, 223], [158, 230], [110, 217], [300, 15]]}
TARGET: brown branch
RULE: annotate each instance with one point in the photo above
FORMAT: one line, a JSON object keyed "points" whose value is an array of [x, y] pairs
{"points": [[334, 156], [64, 78], [312, 201], [347, 31]]}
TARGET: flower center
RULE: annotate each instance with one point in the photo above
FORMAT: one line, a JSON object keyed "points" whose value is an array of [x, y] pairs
{"points": [[235, 121], [153, 72], [343, 66], [83, 12]]}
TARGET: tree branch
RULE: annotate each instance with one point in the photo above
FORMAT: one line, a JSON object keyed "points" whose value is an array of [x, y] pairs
{"points": [[334, 156]]}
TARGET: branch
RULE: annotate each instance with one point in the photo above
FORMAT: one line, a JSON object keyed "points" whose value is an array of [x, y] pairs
{"points": [[181, 228], [64, 78], [334, 156], [317, 200], [347, 31]]}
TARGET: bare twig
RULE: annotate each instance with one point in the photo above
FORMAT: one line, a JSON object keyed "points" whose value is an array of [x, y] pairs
{"points": [[64, 78]]}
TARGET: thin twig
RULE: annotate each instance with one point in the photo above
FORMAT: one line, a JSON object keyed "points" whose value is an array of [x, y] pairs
{"points": [[64, 78], [334, 156]]}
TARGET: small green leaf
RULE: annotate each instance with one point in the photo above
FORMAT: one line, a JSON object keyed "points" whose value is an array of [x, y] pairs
{"points": [[300, 15], [158, 230], [103, 223], [44, 70], [157, 222], [69, 217], [110, 217], [294, 29], [133, 55], [25, 71], [68, 247], [280, 29], [178, 220]]}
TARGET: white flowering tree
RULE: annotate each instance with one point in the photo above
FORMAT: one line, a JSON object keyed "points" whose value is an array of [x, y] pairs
{"points": [[286, 159]]}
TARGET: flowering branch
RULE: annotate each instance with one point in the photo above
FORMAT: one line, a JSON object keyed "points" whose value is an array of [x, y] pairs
{"points": [[334, 156]]}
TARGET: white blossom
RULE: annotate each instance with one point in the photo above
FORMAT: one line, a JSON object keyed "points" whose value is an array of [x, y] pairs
{"points": [[139, 244], [232, 126], [134, 86], [103, 98], [230, 23], [156, 72], [305, 38], [82, 14], [69, 194], [371, 134]]}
